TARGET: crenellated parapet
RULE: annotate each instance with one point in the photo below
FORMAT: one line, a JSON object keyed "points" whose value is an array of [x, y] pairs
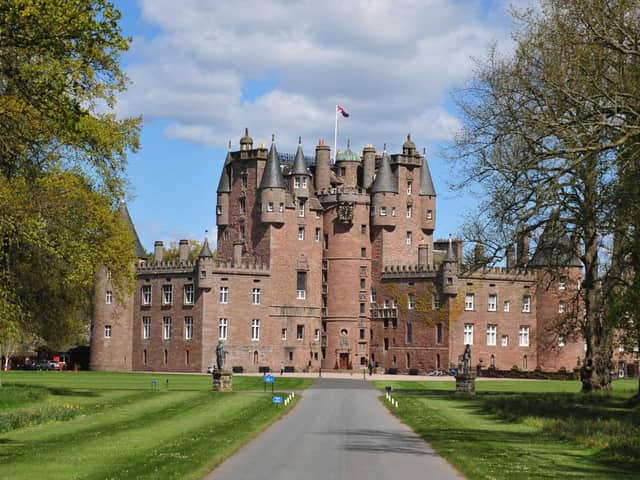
{"points": [[409, 271], [502, 273], [186, 266]]}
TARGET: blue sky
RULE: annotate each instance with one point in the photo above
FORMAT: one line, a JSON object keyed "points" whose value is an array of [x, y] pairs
{"points": [[202, 71]]}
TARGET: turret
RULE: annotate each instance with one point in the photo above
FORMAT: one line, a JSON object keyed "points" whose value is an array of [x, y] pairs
{"points": [[384, 194], [347, 163], [427, 199], [408, 147], [205, 262], [224, 189], [323, 167], [300, 176], [272, 189], [368, 165], [246, 142], [449, 272]]}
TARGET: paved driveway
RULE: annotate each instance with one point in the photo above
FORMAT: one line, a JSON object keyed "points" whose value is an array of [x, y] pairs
{"points": [[339, 430]]}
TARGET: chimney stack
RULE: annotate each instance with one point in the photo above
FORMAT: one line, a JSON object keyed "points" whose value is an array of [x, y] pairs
{"points": [[183, 250], [158, 250]]}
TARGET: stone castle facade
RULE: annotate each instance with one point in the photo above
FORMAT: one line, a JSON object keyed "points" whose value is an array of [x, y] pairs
{"points": [[332, 265]]}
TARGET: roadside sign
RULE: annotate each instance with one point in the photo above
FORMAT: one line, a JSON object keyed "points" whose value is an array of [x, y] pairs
{"points": [[269, 379], [276, 399]]}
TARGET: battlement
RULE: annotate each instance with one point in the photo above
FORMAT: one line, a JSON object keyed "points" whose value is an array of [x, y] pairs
{"points": [[409, 270], [502, 273], [218, 266], [176, 266]]}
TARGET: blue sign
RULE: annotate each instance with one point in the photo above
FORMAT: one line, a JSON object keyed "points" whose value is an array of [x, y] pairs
{"points": [[276, 399], [269, 379]]}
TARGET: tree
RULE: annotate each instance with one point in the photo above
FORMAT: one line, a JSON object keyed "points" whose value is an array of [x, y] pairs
{"points": [[62, 163], [548, 133]]}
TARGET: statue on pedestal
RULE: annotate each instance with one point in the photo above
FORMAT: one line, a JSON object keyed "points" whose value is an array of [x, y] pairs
{"points": [[466, 359], [220, 355]]}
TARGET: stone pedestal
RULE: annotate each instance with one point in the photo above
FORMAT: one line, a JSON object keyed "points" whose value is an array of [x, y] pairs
{"points": [[222, 381], [466, 384]]}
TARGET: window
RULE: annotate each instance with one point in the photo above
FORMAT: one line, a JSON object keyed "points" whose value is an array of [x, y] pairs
{"points": [[241, 232], [243, 204], [167, 294], [301, 285], [299, 332], [429, 214], [296, 182], [165, 357], [561, 341], [374, 295], [107, 331], [524, 336], [363, 252], [303, 182], [393, 211], [255, 296], [383, 211], [270, 207], [468, 333], [439, 334], [386, 343], [505, 341], [562, 283], [166, 332], [108, 297], [301, 203], [411, 301], [409, 187], [146, 328], [506, 306], [436, 300], [468, 301], [223, 324], [316, 334], [245, 181], [343, 171], [224, 294], [300, 233], [409, 211], [146, 295], [561, 306], [255, 329], [281, 207], [362, 284], [362, 309], [186, 357], [188, 328], [283, 335], [492, 302], [409, 332], [526, 304], [218, 210], [188, 294], [363, 229], [492, 331], [408, 238], [144, 356], [317, 235], [363, 271]]}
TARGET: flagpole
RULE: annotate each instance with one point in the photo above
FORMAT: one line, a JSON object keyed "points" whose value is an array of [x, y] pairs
{"points": [[335, 136]]}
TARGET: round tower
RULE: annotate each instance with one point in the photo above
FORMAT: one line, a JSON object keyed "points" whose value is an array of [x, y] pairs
{"points": [[323, 167], [272, 189], [347, 163]]}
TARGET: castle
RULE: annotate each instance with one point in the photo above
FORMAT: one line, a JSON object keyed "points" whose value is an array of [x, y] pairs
{"points": [[332, 265]]}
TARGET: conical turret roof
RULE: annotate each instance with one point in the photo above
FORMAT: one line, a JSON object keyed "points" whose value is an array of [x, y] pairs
{"points": [[206, 251], [449, 257], [272, 176], [124, 211], [426, 182], [554, 247], [299, 165], [224, 186], [385, 181]]}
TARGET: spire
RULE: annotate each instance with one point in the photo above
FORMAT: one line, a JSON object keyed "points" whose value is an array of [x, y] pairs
{"points": [[426, 183], [449, 257], [206, 251], [124, 212], [272, 176], [385, 181], [224, 186], [299, 165]]}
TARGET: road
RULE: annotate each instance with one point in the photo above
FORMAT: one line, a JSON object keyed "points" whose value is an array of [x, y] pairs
{"points": [[338, 430]]}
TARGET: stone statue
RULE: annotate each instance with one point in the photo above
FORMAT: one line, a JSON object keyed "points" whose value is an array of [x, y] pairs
{"points": [[220, 355], [466, 359]]}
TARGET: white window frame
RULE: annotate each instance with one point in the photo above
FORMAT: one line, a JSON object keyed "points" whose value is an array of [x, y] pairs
{"points": [[316, 334], [255, 330], [409, 211], [429, 214], [468, 334], [300, 233], [383, 211], [188, 328], [283, 333], [561, 306], [224, 295], [189, 294], [409, 238], [393, 211], [492, 334], [269, 206], [223, 328], [108, 297], [318, 234], [108, 331], [255, 296], [146, 328], [506, 306], [301, 294], [167, 294], [504, 341], [523, 336], [411, 301], [469, 302], [299, 332], [296, 182], [492, 302], [526, 304], [166, 328], [301, 208], [409, 187], [146, 295]]}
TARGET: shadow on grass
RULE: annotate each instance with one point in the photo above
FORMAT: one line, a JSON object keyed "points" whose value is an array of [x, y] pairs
{"points": [[68, 392]]}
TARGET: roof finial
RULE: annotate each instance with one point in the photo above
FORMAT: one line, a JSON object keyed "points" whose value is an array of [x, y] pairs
{"points": [[408, 137], [246, 131], [229, 144], [424, 151], [273, 137], [299, 140], [348, 143], [384, 149]]}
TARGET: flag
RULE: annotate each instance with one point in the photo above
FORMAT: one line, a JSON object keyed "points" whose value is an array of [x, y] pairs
{"points": [[342, 110]]}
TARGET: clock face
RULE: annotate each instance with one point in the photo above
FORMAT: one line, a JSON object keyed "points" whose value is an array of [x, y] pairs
{"points": [[345, 212]]}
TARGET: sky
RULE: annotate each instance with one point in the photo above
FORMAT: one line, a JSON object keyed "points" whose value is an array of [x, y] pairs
{"points": [[201, 71]]}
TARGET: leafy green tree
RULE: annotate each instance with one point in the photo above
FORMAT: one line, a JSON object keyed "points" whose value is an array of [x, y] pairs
{"points": [[62, 163], [549, 132]]}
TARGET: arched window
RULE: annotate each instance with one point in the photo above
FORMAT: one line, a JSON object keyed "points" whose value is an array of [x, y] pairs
{"points": [[255, 357], [437, 361], [493, 361], [524, 362], [408, 360]]}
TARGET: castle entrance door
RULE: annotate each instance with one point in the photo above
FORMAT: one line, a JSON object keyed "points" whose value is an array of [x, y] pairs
{"points": [[343, 363]]}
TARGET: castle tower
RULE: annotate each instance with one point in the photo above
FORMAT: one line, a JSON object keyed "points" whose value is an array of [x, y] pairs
{"points": [[368, 166], [385, 193], [272, 189], [300, 176], [346, 167], [323, 167], [449, 272], [224, 188]]}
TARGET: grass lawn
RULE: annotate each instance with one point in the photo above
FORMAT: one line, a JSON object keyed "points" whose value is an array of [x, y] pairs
{"points": [[66, 425], [526, 429]]}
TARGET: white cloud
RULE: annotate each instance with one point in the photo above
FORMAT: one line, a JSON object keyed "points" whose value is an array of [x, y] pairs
{"points": [[390, 63]]}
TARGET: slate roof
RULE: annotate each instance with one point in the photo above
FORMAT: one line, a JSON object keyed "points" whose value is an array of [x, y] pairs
{"points": [[124, 211], [299, 164], [206, 251], [224, 186], [554, 248], [426, 182], [385, 181], [272, 176]]}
